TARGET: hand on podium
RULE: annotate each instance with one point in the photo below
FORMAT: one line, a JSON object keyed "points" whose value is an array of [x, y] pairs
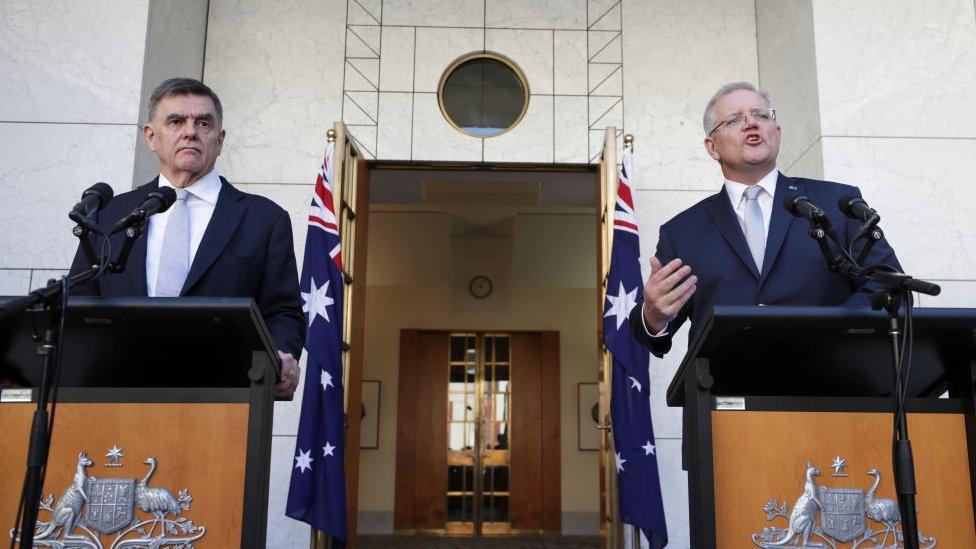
{"points": [[288, 381]]}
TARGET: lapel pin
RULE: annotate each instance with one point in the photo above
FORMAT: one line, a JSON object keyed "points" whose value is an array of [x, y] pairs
{"points": [[792, 187]]}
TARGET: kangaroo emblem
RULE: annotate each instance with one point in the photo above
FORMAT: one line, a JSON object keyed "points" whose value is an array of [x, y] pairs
{"points": [[67, 512], [804, 514]]}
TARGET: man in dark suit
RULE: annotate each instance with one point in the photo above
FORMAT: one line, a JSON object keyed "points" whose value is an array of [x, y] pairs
{"points": [[741, 246], [214, 240]]}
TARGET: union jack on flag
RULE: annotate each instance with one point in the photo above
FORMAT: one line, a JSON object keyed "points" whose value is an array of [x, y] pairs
{"points": [[639, 486], [317, 494]]}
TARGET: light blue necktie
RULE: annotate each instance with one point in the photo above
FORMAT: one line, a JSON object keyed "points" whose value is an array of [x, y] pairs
{"points": [[753, 225], [174, 258]]}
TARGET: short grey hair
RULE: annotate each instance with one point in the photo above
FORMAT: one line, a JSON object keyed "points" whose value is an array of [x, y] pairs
{"points": [[709, 120], [184, 86]]}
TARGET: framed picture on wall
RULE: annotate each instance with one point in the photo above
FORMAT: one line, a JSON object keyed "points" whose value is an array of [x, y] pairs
{"points": [[369, 429], [588, 415]]}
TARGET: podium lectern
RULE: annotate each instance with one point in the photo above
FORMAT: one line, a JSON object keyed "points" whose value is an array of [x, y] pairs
{"points": [[162, 431], [788, 428]]}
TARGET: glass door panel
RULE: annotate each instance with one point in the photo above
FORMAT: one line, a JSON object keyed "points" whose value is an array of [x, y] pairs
{"points": [[479, 433]]}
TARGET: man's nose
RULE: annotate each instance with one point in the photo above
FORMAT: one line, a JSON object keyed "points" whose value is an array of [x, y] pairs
{"points": [[749, 121], [190, 129]]}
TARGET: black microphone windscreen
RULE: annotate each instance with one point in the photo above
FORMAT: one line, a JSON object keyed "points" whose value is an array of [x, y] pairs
{"points": [[103, 191], [789, 202], [166, 198], [845, 202]]}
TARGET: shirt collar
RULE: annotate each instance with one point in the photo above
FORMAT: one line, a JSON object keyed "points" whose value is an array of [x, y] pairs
{"points": [[206, 188], [735, 189]]}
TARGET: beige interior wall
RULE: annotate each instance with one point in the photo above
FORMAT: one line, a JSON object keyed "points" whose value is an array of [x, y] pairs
{"points": [[417, 278]]}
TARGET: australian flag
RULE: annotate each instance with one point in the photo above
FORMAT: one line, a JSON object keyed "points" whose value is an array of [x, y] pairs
{"points": [[317, 494], [639, 485]]}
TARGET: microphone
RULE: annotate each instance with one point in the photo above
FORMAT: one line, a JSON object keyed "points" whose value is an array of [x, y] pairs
{"points": [[855, 207], [800, 206], [93, 199], [157, 201]]}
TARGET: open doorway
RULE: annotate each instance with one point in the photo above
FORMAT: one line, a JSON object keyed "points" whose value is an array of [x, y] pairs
{"points": [[482, 251]]}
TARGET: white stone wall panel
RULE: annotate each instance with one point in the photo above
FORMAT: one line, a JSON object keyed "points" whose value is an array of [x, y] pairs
{"points": [[570, 129], [536, 14], [423, 13], [396, 63], [393, 131], [14, 281], [569, 59], [77, 62], [43, 171], [281, 89], [913, 72]]}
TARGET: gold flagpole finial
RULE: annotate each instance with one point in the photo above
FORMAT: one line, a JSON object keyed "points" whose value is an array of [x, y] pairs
{"points": [[629, 141], [331, 135]]}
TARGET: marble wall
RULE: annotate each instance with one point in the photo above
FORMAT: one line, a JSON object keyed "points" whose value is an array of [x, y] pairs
{"points": [[897, 118]]}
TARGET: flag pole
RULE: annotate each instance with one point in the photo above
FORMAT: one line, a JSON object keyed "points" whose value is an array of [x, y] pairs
{"points": [[319, 539]]}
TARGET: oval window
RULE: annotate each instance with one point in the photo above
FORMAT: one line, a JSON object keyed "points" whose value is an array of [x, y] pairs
{"points": [[483, 95]]}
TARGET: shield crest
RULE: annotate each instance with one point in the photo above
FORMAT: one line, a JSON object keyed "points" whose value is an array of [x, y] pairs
{"points": [[110, 502], [842, 516]]}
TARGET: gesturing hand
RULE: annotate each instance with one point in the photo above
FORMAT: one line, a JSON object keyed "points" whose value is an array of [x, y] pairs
{"points": [[663, 295]]}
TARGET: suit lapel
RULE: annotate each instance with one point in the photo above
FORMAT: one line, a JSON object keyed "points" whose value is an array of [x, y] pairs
{"points": [[227, 215], [720, 209], [779, 222], [135, 266]]}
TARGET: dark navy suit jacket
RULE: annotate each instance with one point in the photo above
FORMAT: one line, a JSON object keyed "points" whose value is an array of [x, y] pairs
{"points": [[246, 251], [708, 237]]}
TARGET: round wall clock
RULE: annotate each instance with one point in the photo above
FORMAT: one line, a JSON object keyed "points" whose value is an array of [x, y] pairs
{"points": [[480, 286]]}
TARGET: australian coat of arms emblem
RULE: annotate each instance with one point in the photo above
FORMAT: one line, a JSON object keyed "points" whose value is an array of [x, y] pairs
{"points": [[92, 507], [847, 515]]}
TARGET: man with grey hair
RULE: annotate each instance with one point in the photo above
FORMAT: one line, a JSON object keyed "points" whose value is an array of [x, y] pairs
{"points": [[741, 246], [214, 240]]}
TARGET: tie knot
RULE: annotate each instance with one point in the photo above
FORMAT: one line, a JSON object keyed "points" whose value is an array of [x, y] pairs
{"points": [[752, 192], [181, 194]]}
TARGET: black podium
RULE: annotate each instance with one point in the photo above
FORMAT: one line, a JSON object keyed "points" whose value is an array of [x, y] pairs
{"points": [[163, 425], [787, 421]]}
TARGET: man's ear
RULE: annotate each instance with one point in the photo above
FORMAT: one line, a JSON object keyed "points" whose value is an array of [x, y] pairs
{"points": [[710, 148], [150, 134]]}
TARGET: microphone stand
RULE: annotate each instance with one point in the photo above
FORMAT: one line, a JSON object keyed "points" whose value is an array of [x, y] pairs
{"points": [[52, 297], [894, 285]]}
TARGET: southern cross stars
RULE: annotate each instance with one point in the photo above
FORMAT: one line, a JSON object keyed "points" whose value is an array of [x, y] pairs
{"points": [[303, 460], [634, 384], [648, 448], [316, 300], [620, 462], [621, 304], [326, 380], [327, 449]]}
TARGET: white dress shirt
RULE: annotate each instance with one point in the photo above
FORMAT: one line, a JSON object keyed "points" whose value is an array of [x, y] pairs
{"points": [[736, 191], [200, 202]]}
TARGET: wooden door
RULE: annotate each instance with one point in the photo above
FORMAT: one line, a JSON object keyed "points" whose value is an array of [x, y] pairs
{"points": [[610, 528], [351, 189], [478, 433]]}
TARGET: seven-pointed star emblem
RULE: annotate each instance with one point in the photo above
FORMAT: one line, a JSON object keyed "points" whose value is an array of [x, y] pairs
{"points": [[316, 300], [621, 304]]}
